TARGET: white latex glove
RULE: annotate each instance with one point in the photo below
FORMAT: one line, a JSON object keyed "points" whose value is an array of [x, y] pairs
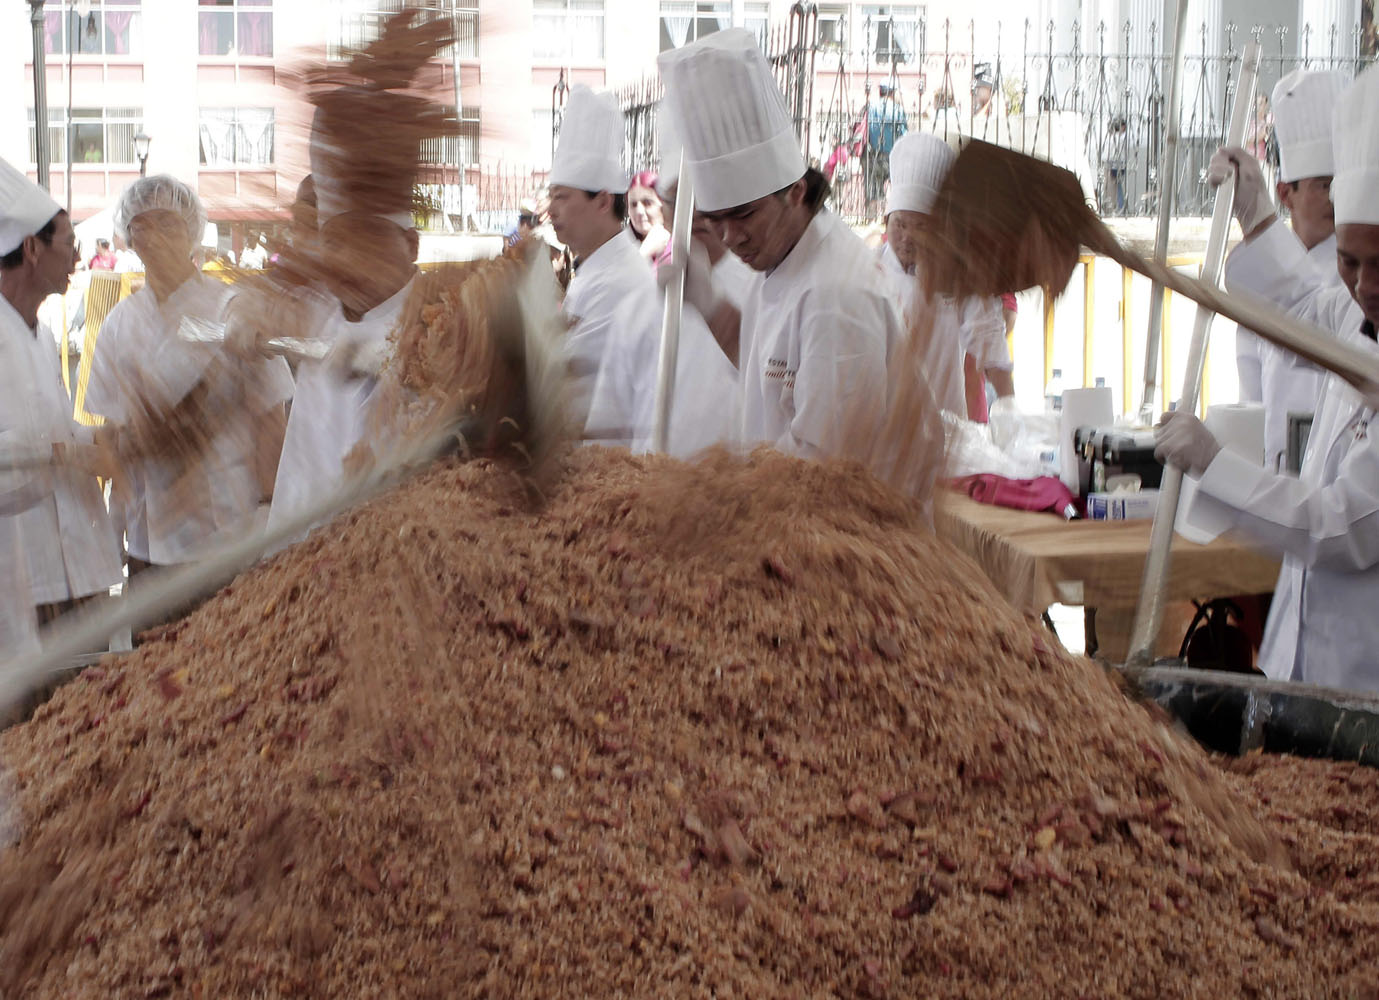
{"points": [[1182, 441], [700, 290], [358, 359], [1252, 204]]}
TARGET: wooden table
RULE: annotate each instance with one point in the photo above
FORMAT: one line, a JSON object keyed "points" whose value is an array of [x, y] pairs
{"points": [[1038, 559]]}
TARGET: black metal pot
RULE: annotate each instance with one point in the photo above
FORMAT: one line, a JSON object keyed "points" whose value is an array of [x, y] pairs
{"points": [[1237, 713]]}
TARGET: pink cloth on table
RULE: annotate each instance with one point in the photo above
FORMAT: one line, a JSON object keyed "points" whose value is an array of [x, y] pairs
{"points": [[1041, 493]]}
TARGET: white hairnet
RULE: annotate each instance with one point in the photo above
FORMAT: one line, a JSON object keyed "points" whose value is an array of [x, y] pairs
{"points": [[148, 194]]}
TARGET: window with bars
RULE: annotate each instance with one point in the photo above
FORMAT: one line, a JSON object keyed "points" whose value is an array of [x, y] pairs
{"points": [[108, 27], [833, 25], [684, 21], [455, 150], [235, 28], [567, 31], [358, 22], [236, 137], [99, 135], [895, 33]]}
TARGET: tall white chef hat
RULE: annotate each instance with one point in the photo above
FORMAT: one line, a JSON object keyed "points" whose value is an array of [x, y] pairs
{"points": [[739, 139], [25, 208], [919, 163], [589, 153], [1355, 187], [1302, 104]]}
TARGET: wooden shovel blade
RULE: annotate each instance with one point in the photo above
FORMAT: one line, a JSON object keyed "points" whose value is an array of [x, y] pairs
{"points": [[1003, 222]]}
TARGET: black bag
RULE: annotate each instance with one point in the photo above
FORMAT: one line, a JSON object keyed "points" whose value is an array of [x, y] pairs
{"points": [[1214, 643]]}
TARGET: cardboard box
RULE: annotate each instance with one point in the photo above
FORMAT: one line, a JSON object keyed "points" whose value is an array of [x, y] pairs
{"points": [[1122, 506]]}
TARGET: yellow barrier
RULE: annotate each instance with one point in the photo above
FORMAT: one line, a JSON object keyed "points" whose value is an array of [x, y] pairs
{"points": [[1127, 339]]}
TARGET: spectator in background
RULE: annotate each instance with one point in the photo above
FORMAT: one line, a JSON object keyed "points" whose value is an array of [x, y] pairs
{"points": [[1115, 159], [528, 219], [886, 123], [103, 259], [646, 218]]}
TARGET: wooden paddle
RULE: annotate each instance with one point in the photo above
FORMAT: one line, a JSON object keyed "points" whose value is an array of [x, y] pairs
{"points": [[1004, 221]]}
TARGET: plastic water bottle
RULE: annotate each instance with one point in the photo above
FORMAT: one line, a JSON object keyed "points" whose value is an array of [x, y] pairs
{"points": [[1053, 393]]}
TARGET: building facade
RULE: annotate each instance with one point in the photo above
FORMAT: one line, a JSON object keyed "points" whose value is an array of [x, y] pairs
{"points": [[216, 83]]}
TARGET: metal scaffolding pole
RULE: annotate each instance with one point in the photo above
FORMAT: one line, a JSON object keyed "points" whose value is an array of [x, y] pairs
{"points": [[40, 94]]}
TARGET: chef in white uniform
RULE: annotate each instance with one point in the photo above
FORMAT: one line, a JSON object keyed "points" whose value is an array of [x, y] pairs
{"points": [[703, 409], [1322, 626], [226, 415], [611, 302], [1302, 106], [368, 270], [67, 541], [950, 329], [817, 321]]}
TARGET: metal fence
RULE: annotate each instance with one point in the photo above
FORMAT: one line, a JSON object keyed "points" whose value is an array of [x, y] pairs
{"points": [[1101, 109], [791, 48]]}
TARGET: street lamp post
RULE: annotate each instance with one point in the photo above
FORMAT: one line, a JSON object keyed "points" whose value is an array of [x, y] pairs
{"points": [[40, 94], [141, 142]]}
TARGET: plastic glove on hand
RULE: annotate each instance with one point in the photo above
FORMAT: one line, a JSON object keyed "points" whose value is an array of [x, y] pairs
{"points": [[351, 359], [1252, 204], [700, 290], [1183, 441]]}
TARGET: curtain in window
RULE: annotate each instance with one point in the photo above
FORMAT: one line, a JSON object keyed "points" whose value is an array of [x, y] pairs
{"points": [[586, 29], [256, 33], [117, 32], [52, 32], [217, 33], [217, 136], [678, 29], [723, 13], [549, 40], [256, 136]]}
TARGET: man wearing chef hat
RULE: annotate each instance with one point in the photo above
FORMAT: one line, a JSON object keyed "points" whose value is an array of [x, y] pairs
{"points": [[1302, 104], [368, 250], [611, 302], [68, 543], [817, 322], [1322, 627], [919, 163]]}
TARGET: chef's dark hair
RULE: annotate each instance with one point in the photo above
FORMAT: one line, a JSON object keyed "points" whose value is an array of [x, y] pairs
{"points": [[15, 257], [816, 189], [619, 203]]}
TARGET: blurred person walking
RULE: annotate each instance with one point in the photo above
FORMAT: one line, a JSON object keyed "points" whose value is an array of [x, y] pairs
{"points": [[200, 430]]}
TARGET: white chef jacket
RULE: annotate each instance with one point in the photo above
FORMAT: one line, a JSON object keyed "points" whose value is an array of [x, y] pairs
{"points": [[183, 505], [607, 284], [69, 544], [815, 334], [330, 411], [1277, 377], [1322, 626], [704, 402], [974, 325]]}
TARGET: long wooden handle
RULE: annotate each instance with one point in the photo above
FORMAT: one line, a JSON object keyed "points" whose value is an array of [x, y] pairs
{"points": [[674, 308], [1154, 585], [1321, 347]]}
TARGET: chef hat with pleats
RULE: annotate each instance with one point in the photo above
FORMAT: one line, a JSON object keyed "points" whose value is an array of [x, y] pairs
{"points": [[919, 163], [1302, 104], [670, 149], [25, 208], [589, 154], [739, 139], [1355, 186]]}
